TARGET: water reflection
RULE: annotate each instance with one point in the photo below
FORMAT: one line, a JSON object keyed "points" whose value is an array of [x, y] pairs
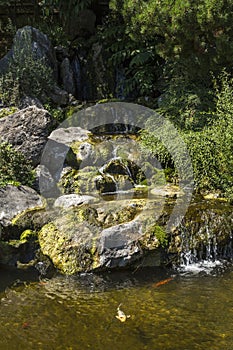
{"points": [[10, 276], [188, 312]]}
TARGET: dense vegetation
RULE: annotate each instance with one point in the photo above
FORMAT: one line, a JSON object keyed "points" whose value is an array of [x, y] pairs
{"points": [[173, 56]]}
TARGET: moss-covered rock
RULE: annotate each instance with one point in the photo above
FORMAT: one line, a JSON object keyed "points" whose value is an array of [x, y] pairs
{"points": [[87, 238], [70, 241]]}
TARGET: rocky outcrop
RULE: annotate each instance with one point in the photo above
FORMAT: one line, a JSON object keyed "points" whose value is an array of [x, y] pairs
{"points": [[91, 236], [27, 130], [67, 76], [58, 152]]}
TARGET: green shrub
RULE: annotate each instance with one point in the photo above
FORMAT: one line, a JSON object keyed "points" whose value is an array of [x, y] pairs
{"points": [[14, 168]]}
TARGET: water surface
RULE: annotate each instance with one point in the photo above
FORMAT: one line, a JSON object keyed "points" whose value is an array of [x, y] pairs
{"points": [[191, 311]]}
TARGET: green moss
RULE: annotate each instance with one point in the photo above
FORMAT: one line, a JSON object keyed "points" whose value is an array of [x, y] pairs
{"points": [[79, 181], [28, 235], [70, 252], [106, 100]]}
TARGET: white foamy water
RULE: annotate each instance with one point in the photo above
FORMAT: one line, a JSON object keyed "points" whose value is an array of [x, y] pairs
{"points": [[206, 266]]}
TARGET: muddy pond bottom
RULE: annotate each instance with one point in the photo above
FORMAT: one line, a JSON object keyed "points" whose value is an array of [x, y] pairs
{"points": [[168, 310]]}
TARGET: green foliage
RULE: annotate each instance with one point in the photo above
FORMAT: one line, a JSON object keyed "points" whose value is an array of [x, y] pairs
{"points": [[58, 114], [64, 8], [211, 149], [185, 102], [136, 60], [161, 235], [54, 31], [27, 75], [14, 168], [194, 35], [7, 28], [202, 29]]}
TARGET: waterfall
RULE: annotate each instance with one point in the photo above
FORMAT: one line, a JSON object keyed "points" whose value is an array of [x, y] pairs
{"points": [[203, 245]]}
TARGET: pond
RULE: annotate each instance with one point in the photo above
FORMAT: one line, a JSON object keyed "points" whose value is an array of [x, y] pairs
{"points": [[169, 310]]}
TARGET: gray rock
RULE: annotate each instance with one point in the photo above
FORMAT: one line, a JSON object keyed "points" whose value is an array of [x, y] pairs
{"points": [[30, 40], [54, 156], [27, 131], [40, 46], [59, 97], [84, 152], [28, 101], [69, 135], [58, 146], [71, 200], [15, 200], [115, 258], [4, 62], [119, 236], [44, 182]]}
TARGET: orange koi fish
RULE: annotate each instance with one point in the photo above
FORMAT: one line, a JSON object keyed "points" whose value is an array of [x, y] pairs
{"points": [[161, 283], [25, 325]]}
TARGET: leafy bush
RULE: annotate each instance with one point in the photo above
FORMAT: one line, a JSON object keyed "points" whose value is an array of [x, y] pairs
{"points": [[135, 62], [14, 168]]}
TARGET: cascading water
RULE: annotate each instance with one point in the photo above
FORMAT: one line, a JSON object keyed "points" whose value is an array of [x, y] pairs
{"points": [[199, 243]]}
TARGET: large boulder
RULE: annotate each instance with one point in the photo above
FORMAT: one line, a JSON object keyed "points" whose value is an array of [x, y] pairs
{"points": [[90, 236], [30, 38], [27, 130], [57, 149]]}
